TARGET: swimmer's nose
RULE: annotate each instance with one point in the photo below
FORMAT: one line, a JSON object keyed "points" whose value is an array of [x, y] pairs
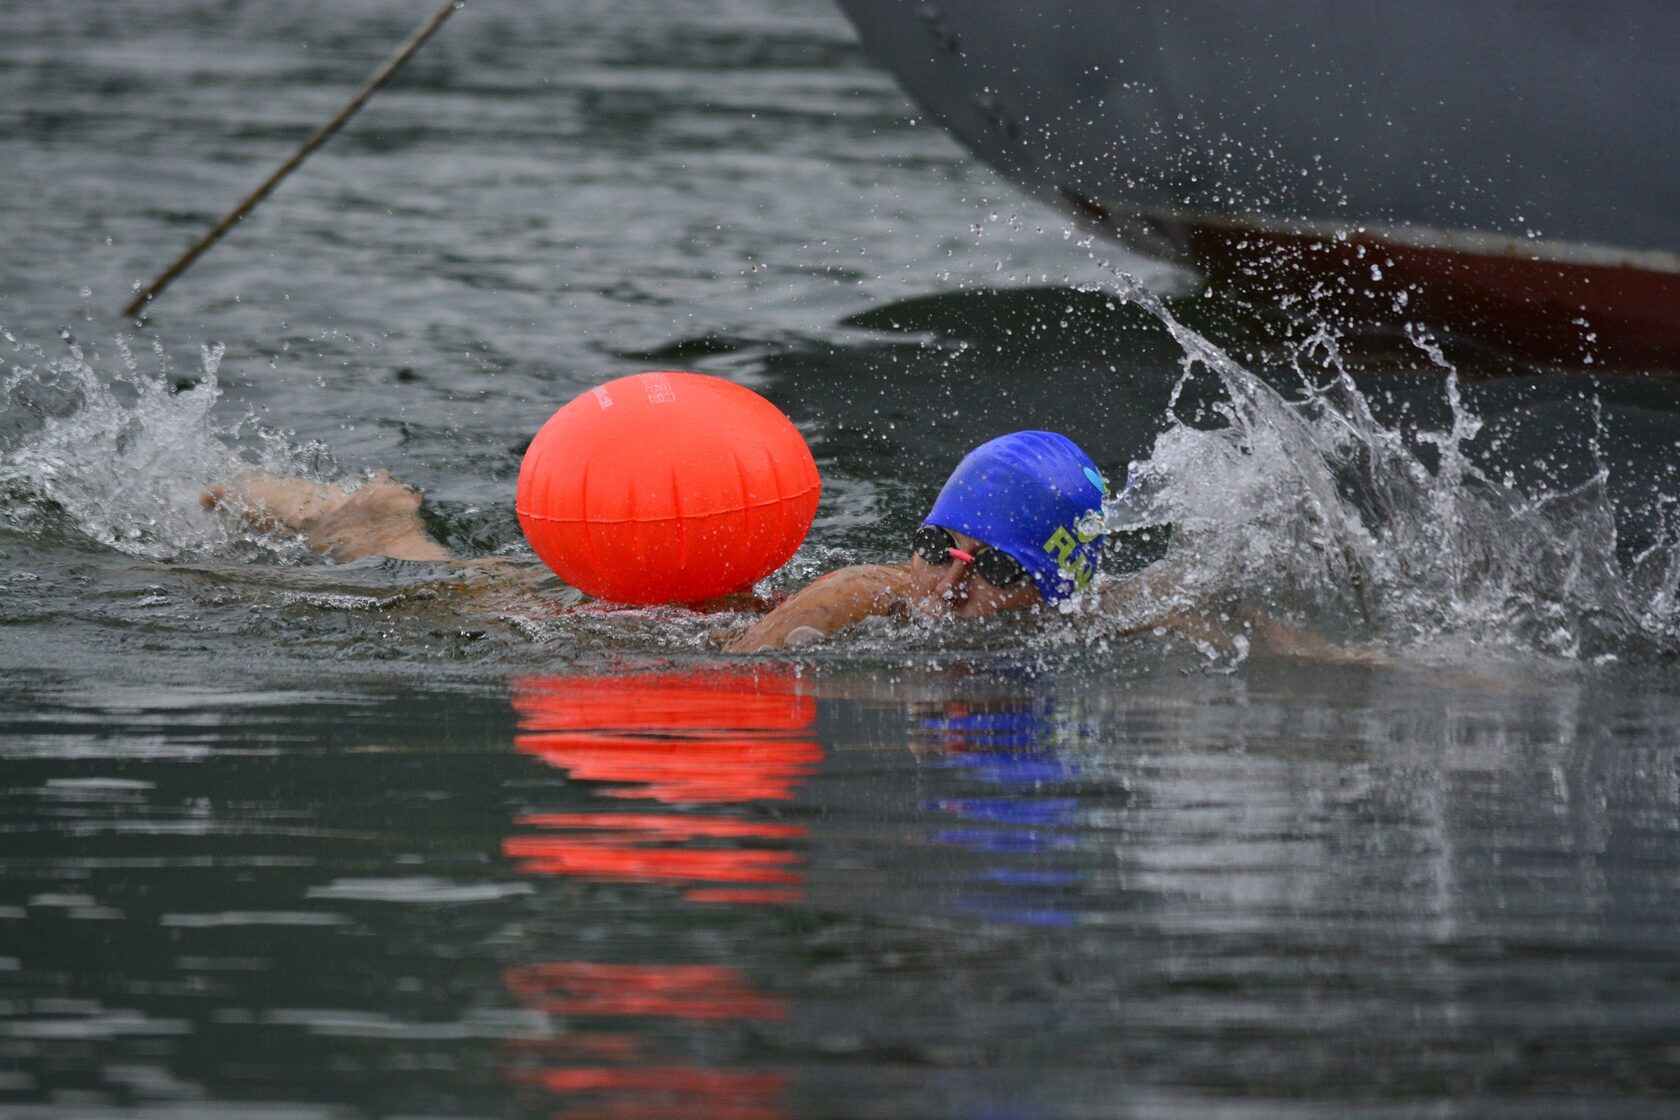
{"points": [[953, 585]]}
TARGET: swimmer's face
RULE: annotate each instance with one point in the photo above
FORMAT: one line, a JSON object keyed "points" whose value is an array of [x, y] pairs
{"points": [[956, 590]]}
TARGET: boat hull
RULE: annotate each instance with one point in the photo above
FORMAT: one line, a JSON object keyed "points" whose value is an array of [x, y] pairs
{"points": [[1507, 170]]}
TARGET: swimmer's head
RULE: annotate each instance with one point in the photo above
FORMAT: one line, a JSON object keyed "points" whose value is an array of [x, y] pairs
{"points": [[1031, 495]]}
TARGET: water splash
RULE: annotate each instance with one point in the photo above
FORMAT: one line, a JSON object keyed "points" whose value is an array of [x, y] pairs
{"points": [[122, 458], [1315, 511]]}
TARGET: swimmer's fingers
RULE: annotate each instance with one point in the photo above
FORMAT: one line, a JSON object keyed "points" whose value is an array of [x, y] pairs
{"points": [[273, 500], [235, 499], [376, 518]]}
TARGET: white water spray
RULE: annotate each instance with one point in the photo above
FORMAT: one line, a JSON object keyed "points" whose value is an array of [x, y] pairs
{"points": [[122, 458], [1315, 511]]}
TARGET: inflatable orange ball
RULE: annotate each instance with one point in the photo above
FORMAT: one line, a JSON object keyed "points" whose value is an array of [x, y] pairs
{"points": [[667, 488]]}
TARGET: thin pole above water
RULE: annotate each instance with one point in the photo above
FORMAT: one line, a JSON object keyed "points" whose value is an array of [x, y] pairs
{"points": [[322, 134]]}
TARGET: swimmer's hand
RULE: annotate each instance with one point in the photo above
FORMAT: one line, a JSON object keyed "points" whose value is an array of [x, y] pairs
{"points": [[378, 517], [831, 603]]}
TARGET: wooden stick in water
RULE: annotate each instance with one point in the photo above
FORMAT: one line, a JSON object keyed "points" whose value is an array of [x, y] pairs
{"points": [[249, 203]]}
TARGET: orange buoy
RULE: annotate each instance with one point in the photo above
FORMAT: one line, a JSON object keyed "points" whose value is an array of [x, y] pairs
{"points": [[667, 488]]}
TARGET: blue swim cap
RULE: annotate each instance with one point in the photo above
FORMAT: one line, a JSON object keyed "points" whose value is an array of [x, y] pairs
{"points": [[1029, 493]]}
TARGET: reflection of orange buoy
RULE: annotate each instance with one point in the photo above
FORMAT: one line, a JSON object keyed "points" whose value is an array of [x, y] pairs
{"points": [[703, 747], [673, 737], [683, 991], [667, 488], [683, 739]]}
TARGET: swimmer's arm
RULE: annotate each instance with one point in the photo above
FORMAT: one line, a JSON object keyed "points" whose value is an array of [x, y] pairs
{"points": [[1146, 601], [834, 602], [1290, 641]]}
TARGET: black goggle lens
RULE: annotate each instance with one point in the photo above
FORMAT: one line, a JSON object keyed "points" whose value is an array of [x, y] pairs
{"points": [[934, 544], [999, 568]]}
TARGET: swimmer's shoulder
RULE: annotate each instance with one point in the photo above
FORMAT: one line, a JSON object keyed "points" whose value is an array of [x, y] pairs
{"points": [[828, 604], [884, 575]]}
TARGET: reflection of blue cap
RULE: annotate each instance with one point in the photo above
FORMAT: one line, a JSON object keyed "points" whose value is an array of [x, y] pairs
{"points": [[1029, 493]]}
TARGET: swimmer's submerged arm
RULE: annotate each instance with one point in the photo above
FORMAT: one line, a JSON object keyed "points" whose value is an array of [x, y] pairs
{"points": [[840, 599], [1152, 600], [1147, 599]]}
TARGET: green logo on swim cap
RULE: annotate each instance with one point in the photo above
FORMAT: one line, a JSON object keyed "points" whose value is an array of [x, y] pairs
{"points": [[1097, 480]]}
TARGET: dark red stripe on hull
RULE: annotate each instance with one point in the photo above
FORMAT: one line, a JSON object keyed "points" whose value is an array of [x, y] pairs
{"points": [[1582, 316]]}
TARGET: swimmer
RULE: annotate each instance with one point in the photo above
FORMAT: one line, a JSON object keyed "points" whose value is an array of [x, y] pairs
{"points": [[1007, 532], [1011, 530]]}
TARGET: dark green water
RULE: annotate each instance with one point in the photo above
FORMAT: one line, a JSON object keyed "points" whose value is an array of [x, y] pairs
{"points": [[761, 891], [281, 838]]}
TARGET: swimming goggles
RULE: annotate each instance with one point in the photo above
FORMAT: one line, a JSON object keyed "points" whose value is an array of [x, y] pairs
{"points": [[938, 547]]}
